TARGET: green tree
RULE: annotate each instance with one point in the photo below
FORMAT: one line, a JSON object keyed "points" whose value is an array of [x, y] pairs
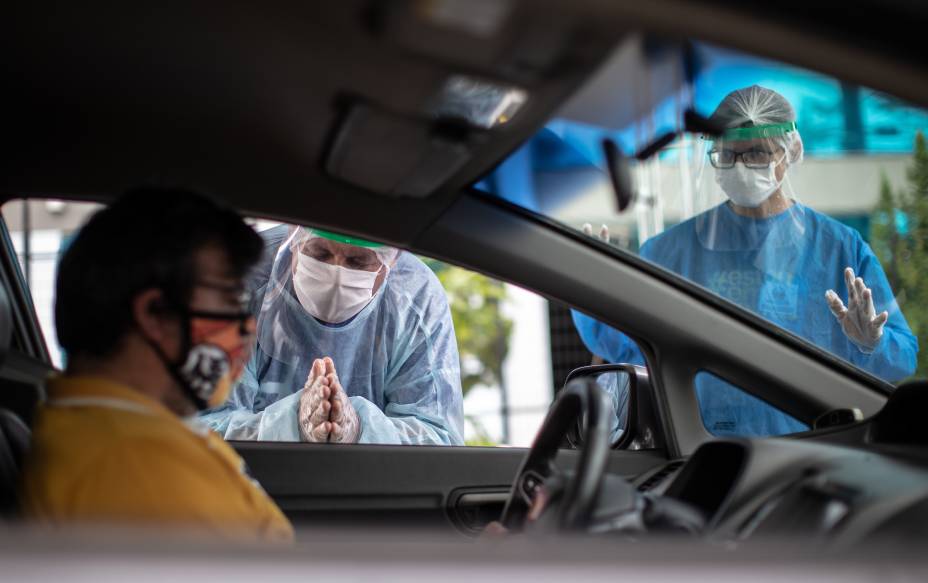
{"points": [[899, 238], [481, 329]]}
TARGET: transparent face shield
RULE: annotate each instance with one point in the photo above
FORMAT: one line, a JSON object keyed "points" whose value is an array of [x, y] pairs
{"points": [[285, 324], [742, 191]]}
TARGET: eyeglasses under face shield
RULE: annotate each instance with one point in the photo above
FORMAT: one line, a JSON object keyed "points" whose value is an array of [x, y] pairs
{"points": [[760, 146]]}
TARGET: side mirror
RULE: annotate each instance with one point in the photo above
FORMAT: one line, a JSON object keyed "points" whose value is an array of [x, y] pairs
{"points": [[633, 420]]}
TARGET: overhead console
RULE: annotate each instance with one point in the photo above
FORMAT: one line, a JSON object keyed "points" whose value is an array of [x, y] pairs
{"points": [[496, 70], [498, 58]]}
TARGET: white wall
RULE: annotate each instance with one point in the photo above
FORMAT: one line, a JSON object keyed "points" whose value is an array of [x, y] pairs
{"points": [[527, 370], [45, 245], [526, 374], [841, 186]]}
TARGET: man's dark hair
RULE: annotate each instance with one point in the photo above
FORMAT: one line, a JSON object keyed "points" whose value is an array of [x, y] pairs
{"points": [[146, 239]]}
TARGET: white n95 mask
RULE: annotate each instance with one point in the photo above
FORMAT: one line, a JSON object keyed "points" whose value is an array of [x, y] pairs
{"points": [[748, 187], [332, 293]]}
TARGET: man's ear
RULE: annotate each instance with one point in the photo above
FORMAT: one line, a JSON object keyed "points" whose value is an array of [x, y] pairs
{"points": [[149, 313]]}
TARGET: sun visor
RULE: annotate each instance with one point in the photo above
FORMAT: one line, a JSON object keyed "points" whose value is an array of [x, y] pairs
{"points": [[640, 74], [397, 155]]}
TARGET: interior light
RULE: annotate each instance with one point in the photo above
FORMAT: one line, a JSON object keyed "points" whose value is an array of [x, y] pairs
{"points": [[480, 103]]}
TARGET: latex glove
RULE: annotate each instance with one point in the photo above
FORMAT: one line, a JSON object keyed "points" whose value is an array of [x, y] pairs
{"points": [[858, 319], [344, 425], [315, 405], [603, 232]]}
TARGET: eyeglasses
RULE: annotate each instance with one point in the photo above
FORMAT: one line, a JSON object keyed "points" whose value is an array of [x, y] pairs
{"points": [[246, 320], [751, 158], [243, 297], [244, 316]]}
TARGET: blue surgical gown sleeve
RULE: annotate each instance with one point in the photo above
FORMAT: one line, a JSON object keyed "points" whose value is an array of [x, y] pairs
{"points": [[233, 419], [422, 397], [237, 419], [615, 387], [605, 341]]}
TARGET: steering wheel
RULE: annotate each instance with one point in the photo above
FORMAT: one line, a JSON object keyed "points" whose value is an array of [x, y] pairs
{"points": [[581, 397]]}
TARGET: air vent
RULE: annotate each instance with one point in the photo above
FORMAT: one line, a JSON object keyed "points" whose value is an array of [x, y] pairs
{"points": [[660, 476]]}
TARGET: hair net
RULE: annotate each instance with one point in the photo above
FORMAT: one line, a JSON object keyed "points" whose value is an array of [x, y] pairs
{"points": [[757, 112], [397, 359]]}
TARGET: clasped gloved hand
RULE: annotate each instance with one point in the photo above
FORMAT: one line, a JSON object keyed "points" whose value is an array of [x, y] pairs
{"points": [[859, 320], [326, 414]]}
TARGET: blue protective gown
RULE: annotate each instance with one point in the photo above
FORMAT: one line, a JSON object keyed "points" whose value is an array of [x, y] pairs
{"points": [[615, 386], [397, 361], [780, 268]]}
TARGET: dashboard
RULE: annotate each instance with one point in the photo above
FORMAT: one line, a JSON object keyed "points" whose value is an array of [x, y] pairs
{"points": [[800, 488], [843, 485]]}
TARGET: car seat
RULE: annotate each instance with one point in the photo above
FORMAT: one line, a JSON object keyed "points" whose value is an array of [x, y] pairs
{"points": [[14, 434]]}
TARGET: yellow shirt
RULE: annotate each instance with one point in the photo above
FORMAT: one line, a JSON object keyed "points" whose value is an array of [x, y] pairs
{"points": [[103, 453]]}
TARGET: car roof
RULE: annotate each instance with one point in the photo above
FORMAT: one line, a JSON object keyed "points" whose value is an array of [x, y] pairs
{"points": [[246, 101]]}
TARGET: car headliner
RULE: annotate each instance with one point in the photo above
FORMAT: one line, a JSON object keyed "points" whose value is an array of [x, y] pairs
{"points": [[239, 99]]}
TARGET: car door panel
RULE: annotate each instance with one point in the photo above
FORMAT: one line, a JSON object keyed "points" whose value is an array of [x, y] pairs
{"points": [[367, 485]]}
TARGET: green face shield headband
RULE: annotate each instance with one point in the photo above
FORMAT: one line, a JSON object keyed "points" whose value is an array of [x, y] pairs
{"points": [[344, 239], [774, 130]]}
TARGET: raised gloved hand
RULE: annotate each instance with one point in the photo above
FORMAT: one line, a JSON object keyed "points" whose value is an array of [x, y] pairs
{"points": [[603, 232], [326, 414], [858, 319]]}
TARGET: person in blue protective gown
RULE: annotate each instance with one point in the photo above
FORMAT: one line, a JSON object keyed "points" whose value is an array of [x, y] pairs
{"points": [[765, 251], [615, 384], [354, 343]]}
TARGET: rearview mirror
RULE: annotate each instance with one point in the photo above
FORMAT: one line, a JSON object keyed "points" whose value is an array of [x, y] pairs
{"points": [[633, 423]]}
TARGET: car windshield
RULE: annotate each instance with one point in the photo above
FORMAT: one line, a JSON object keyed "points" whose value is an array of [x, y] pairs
{"points": [[791, 194]]}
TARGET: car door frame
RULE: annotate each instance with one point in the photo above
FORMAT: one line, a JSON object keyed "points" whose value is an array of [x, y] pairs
{"points": [[26, 364], [682, 329]]}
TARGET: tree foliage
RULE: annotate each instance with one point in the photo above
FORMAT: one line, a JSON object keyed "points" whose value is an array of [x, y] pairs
{"points": [[899, 236], [481, 329]]}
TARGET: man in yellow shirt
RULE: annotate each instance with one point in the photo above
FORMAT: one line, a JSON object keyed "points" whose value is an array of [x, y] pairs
{"points": [[151, 312]]}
